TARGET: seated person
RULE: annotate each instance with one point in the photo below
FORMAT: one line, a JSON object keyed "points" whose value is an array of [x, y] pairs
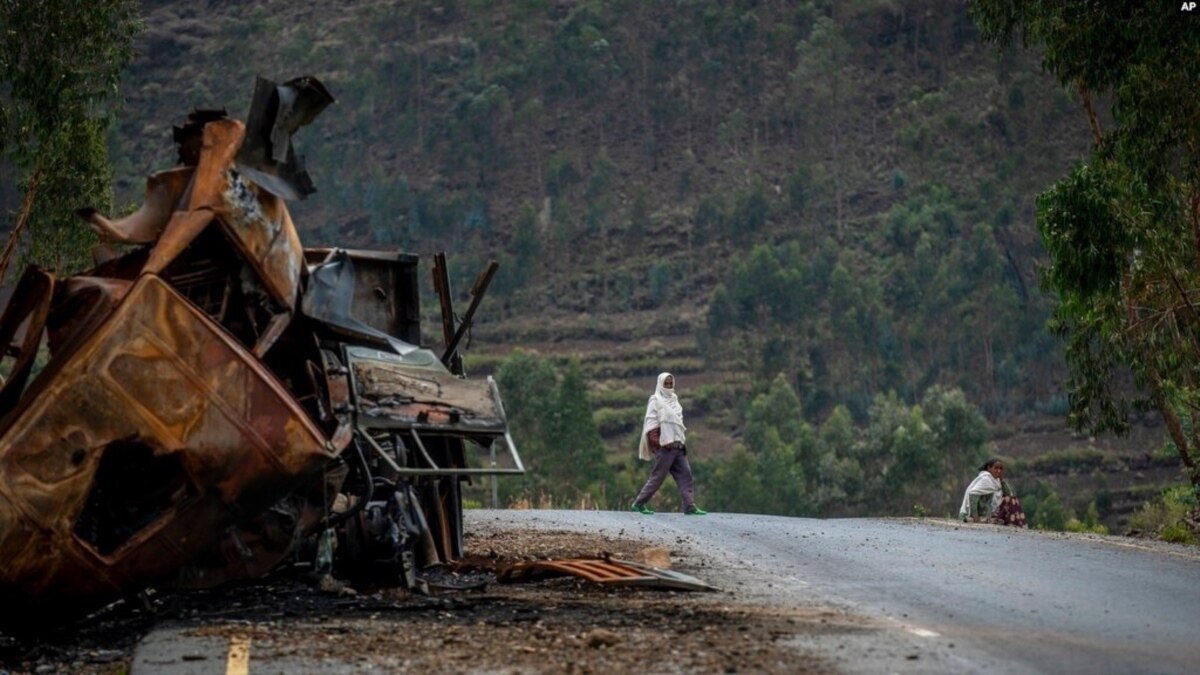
{"points": [[990, 496]]}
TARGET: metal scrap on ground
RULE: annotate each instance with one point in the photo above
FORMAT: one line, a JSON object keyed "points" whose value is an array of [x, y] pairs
{"points": [[603, 571]]}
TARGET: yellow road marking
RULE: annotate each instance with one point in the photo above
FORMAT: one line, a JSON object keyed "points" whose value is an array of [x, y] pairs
{"points": [[239, 656]]}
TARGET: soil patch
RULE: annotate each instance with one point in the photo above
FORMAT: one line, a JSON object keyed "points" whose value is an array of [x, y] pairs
{"points": [[467, 624]]}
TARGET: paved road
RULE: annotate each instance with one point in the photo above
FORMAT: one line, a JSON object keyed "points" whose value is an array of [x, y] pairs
{"points": [[974, 598]]}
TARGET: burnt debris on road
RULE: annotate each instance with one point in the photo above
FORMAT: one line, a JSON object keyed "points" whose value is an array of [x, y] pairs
{"points": [[466, 623]]}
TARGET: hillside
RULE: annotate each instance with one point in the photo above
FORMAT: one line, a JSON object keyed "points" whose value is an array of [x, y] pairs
{"points": [[614, 122], [624, 160]]}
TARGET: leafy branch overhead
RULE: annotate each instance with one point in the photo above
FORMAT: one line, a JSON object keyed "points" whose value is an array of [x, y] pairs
{"points": [[1123, 230]]}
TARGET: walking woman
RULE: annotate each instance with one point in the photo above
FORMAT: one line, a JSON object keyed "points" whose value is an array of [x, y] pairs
{"points": [[663, 436]]}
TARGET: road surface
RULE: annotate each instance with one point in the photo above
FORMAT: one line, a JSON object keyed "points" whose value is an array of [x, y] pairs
{"points": [[1006, 600], [849, 595]]}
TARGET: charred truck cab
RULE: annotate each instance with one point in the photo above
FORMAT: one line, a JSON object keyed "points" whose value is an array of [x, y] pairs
{"points": [[219, 400]]}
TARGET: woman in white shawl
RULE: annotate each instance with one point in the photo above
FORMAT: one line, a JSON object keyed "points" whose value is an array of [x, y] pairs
{"points": [[990, 497], [662, 441]]}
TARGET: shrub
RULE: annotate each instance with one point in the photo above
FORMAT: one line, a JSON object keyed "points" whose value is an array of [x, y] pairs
{"points": [[1164, 517], [1070, 460], [751, 210], [722, 313], [1055, 406], [1177, 533], [712, 398], [1090, 522], [710, 216], [561, 173], [612, 422], [617, 398], [482, 364], [799, 187], [1050, 514], [660, 279], [687, 174]]}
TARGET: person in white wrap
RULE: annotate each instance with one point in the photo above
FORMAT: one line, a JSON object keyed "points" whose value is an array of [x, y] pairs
{"points": [[989, 497], [663, 442], [984, 490]]}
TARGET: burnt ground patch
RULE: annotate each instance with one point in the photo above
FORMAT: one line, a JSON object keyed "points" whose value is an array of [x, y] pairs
{"points": [[467, 623]]}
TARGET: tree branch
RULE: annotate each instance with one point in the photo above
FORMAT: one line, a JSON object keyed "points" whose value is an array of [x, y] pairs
{"points": [[1182, 293], [1194, 204], [1093, 121], [1174, 424], [22, 218]]}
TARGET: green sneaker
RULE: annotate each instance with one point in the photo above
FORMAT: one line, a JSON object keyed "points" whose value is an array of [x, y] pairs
{"points": [[695, 511], [641, 508]]}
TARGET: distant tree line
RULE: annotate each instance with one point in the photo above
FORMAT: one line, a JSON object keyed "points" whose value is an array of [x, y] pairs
{"points": [[904, 460], [903, 456]]}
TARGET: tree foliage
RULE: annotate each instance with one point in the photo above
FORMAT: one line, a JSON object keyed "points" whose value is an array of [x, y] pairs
{"points": [[935, 301], [903, 455], [60, 63], [551, 422], [1123, 230]]}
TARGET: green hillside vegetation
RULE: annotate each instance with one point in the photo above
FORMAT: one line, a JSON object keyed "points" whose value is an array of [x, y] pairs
{"points": [[819, 214], [627, 156], [857, 181]]}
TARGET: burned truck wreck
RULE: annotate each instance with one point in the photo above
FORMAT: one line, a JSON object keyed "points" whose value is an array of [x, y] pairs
{"points": [[218, 399]]}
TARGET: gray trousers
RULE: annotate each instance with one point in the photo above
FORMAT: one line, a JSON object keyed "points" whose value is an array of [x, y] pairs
{"points": [[674, 462]]}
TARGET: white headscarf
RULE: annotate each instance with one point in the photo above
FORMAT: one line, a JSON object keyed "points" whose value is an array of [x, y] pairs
{"points": [[664, 413], [985, 483]]}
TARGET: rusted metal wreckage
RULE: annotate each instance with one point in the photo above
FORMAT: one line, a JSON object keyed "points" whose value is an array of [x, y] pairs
{"points": [[218, 399], [602, 571]]}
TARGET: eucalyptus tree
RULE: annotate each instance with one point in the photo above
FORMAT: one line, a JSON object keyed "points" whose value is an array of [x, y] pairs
{"points": [[1122, 229], [819, 93], [60, 65]]}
